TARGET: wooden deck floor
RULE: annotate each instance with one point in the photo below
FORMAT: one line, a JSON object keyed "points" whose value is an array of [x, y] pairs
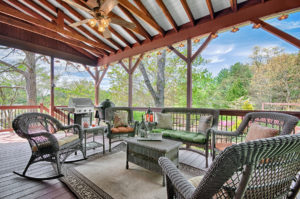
{"points": [[14, 154]]}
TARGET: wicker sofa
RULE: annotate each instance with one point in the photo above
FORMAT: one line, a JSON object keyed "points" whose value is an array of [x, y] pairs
{"points": [[185, 127]]}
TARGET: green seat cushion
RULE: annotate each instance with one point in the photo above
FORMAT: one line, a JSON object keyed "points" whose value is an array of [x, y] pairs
{"points": [[171, 133], [158, 130], [188, 136], [200, 138]]}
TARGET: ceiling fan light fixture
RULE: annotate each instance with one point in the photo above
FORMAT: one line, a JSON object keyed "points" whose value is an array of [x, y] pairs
{"points": [[105, 22], [101, 29], [93, 22]]}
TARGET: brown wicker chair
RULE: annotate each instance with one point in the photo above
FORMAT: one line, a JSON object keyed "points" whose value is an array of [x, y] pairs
{"points": [[256, 169], [283, 122], [109, 119], [39, 130]]}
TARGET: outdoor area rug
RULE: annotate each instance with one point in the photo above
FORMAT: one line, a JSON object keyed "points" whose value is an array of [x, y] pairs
{"points": [[105, 176]]}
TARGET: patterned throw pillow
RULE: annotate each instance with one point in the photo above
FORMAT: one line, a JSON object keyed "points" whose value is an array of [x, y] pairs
{"points": [[204, 123], [120, 119], [164, 121], [259, 132]]}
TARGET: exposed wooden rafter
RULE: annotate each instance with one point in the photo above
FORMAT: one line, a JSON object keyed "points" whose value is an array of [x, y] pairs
{"points": [[46, 13], [187, 11], [135, 21], [233, 5], [141, 15], [279, 33], [249, 10], [210, 9], [50, 27], [167, 14]]}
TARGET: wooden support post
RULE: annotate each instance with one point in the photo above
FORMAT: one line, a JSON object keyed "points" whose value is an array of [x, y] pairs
{"points": [[130, 83], [189, 86], [52, 86], [96, 86]]}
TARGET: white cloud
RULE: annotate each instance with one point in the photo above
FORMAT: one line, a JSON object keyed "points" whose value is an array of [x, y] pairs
{"points": [[215, 59], [218, 49], [286, 25]]}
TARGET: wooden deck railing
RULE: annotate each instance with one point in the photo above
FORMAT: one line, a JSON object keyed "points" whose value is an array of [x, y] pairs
{"points": [[229, 119]]}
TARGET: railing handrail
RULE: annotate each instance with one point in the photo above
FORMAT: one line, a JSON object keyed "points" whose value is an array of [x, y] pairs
{"points": [[20, 107]]}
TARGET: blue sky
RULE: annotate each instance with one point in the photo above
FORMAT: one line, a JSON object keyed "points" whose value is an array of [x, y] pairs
{"points": [[230, 48]]}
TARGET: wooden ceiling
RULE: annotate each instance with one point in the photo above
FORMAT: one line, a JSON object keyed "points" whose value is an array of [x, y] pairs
{"points": [[43, 25]]}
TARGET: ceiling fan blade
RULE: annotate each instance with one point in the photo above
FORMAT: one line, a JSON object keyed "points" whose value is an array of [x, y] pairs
{"points": [[79, 23], [107, 33], [108, 5], [92, 3], [123, 23], [79, 6]]}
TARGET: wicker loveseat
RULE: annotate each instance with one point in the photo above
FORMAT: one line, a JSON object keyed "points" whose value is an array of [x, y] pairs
{"points": [[185, 127]]}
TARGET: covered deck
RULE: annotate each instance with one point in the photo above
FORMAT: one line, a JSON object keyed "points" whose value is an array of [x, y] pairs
{"points": [[44, 27]]}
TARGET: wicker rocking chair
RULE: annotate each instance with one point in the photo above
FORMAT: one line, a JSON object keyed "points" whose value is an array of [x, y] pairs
{"points": [[39, 130], [262, 168]]}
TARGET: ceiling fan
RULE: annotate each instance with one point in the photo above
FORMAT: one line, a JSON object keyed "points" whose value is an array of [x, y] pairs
{"points": [[99, 9]]}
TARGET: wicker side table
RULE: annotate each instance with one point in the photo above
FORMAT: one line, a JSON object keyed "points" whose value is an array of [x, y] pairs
{"points": [[93, 144], [147, 153]]}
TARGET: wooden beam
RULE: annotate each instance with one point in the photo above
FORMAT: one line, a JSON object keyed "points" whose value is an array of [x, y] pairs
{"points": [[233, 4], [143, 8], [123, 65], [224, 19], [96, 80], [130, 82], [202, 47], [60, 18], [177, 53], [33, 11], [102, 75], [187, 11], [41, 31], [141, 15], [50, 27], [138, 61], [189, 81], [167, 14], [135, 21], [210, 9], [21, 39], [279, 33], [52, 85], [89, 71], [119, 36]]}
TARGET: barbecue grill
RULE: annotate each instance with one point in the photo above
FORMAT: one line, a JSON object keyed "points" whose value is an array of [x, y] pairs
{"points": [[82, 108]]}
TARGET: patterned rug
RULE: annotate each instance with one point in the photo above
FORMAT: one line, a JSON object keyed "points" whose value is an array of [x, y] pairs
{"points": [[105, 176]]}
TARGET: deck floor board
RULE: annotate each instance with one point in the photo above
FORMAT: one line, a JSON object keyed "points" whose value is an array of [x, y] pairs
{"points": [[14, 155]]}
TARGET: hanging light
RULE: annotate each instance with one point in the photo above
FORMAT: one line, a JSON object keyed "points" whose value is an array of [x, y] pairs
{"points": [[169, 50], [105, 22], [214, 35], [196, 40], [256, 26], [181, 45], [101, 29], [235, 29], [282, 17], [92, 22], [158, 53]]}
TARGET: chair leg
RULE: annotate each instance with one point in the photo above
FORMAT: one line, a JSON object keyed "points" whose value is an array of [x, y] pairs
{"points": [[109, 144], [58, 165], [28, 164], [206, 155]]}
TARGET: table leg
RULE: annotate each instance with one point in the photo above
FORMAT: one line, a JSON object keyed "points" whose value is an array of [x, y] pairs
{"points": [[164, 180], [85, 142]]}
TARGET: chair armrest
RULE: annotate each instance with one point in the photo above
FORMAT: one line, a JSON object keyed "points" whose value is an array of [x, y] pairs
{"points": [[47, 138], [226, 133], [178, 180], [76, 128]]}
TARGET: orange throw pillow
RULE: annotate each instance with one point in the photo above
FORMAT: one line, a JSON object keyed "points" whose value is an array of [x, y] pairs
{"points": [[115, 130], [259, 132]]}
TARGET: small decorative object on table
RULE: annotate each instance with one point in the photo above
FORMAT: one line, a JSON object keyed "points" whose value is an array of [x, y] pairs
{"points": [[146, 131], [149, 115]]}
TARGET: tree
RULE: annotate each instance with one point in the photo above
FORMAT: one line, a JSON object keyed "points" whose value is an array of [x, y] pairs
{"points": [[158, 95], [276, 77], [24, 63]]}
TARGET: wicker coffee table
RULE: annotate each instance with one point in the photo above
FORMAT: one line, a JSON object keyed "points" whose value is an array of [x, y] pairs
{"points": [[146, 153]]}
